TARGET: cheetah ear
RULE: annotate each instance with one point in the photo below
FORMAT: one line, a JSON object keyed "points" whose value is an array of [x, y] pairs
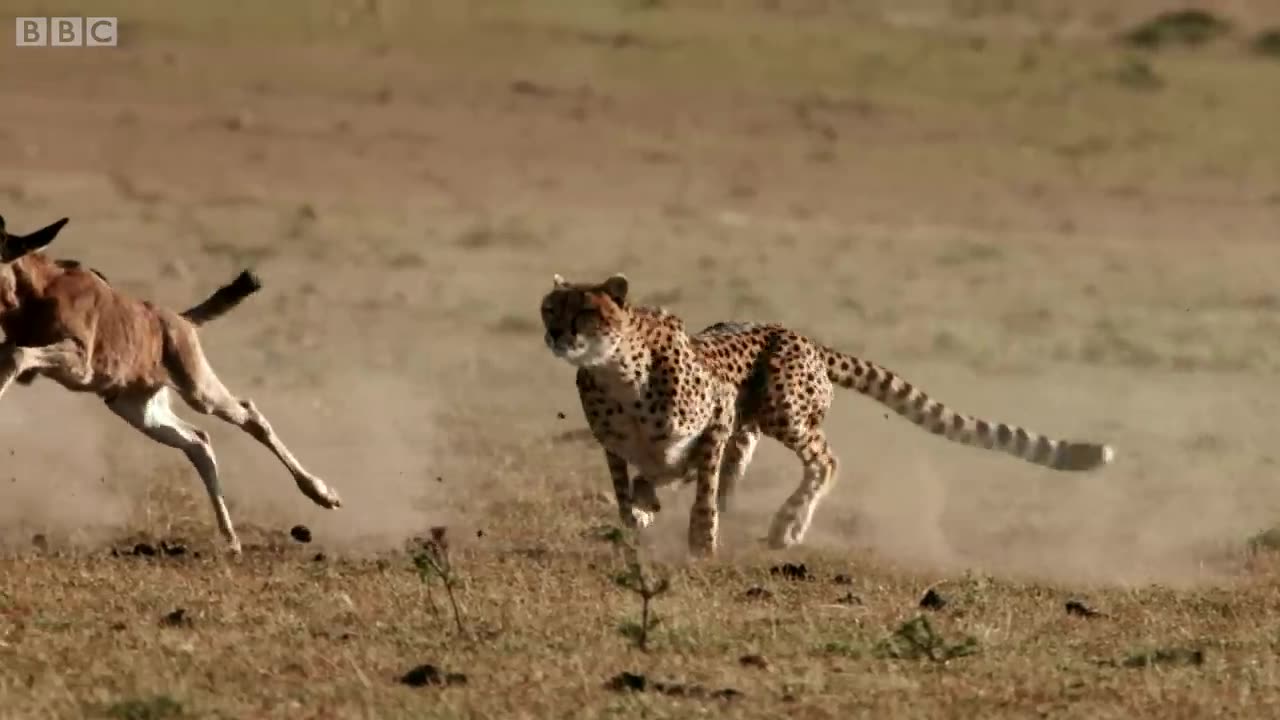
{"points": [[616, 287], [558, 281]]}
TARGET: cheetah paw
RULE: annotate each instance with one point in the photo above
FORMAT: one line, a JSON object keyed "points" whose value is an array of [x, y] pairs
{"points": [[641, 518], [702, 548], [785, 536]]}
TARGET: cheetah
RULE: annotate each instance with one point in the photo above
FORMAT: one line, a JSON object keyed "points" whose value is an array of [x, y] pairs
{"points": [[682, 407]]}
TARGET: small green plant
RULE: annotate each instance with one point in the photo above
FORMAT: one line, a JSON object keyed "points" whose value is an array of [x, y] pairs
{"points": [[1267, 43], [1267, 540], [1188, 28], [1165, 656], [645, 585], [916, 639], [1137, 74], [964, 253], [158, 707], [840, 648], [432, 561], [611, 534]]}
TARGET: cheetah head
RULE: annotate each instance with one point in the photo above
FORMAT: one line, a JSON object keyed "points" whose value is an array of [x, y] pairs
{"points": [[584, 322]]}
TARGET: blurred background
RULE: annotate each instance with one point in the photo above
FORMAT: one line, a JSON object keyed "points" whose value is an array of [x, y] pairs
{"points": [[1061, 213]]}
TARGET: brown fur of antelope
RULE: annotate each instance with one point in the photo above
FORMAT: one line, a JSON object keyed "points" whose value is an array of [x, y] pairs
{"points": [[65, 323]]}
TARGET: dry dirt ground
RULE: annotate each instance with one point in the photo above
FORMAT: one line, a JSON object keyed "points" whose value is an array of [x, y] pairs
{"points": [[997, 199]]}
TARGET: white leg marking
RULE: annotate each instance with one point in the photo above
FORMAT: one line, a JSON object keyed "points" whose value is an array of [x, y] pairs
{"points": [[211, 397], [153, 415]]}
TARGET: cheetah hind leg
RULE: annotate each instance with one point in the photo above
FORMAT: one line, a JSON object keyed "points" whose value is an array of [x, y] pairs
{"points": [[704, 518], [820, 465]]}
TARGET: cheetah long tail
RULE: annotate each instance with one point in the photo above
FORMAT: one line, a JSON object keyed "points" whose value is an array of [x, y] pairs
{"points": [[914, 404]]}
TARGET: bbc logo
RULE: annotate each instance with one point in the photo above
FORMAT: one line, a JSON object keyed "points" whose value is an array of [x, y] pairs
{"points": [[66, 31]]}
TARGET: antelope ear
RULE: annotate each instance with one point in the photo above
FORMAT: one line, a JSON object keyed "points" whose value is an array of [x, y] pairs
{"points": [[616, 287], [17, 246], [558, 281]]}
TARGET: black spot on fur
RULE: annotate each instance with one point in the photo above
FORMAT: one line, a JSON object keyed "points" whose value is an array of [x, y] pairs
{"points": [[1022, 439], [1003, 434], [1044, 449]]}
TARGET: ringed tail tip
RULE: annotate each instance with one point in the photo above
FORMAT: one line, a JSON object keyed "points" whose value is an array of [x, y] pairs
{"points": [[1079, 456]]}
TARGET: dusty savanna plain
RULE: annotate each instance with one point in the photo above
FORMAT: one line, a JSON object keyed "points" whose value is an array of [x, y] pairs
{"points": [[1002, 201]]}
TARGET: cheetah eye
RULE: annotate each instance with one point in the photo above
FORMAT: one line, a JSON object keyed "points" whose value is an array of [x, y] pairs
{"points": [[585, 319]]}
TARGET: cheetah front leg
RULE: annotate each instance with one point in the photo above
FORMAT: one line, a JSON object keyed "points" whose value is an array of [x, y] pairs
{"points": [[630, 515], [704, 516], [644, 494]]}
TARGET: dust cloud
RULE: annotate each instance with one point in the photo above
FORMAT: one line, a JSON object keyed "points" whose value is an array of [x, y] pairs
{"points": [[369, 436], [1159, 514], [75, 473], [59, 451]]}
